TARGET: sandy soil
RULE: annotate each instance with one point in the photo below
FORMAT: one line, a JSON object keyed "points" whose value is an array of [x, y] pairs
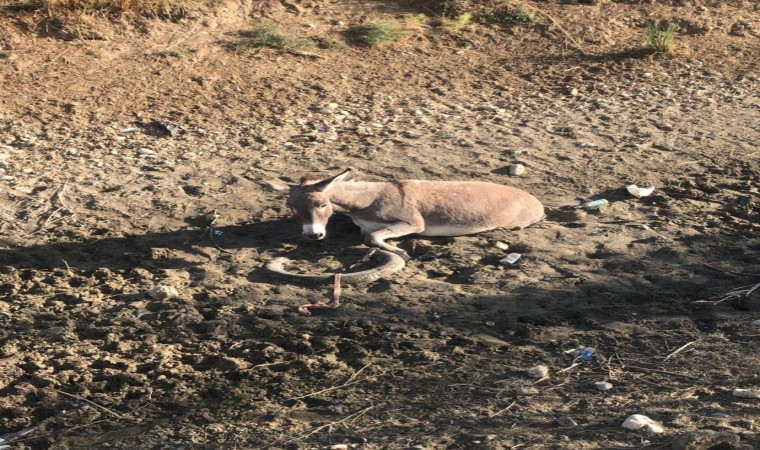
{"points": [[98, 206]]}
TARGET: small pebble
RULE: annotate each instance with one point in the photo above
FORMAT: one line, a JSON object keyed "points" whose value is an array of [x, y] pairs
{"points": [[566, 422], [540, 371], [603, 386], [527, 390], [747, 393], [642, 422], [756, 323], [647, 74], [7, 177], [163, 292], [339, 447], [145, 151]]}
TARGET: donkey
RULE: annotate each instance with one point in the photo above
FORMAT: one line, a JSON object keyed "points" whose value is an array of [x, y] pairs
{"points": [[391, 209]]}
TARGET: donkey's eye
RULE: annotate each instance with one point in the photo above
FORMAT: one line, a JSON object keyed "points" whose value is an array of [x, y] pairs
{"points": [[323, 206]]}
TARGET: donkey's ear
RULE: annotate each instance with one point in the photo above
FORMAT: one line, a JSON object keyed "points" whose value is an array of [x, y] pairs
{"points": [[327, 184], [276, 184]]}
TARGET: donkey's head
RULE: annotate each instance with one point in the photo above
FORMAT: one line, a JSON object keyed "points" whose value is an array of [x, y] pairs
{"points": [[309, 201]]}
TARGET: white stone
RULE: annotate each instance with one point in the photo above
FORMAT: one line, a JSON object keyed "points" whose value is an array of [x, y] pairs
{"points": [[642, 422], [145, 151], [163, 292], [527, 390], [539, 371], [747, 393], [516, 169], [603, 386]]}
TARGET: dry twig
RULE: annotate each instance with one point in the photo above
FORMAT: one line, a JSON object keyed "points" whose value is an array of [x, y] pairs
{"points": [[109, 411], [351, 380]]}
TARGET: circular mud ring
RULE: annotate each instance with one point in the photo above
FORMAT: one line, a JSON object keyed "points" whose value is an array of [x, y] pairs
{"points": [[387, 263]]}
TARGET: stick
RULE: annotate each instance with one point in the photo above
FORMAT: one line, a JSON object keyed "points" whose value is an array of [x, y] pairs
{"points": [[348, 382], [109, 411], [503, 409], [679, 349], [664, 372], [305, 310], [316, 430], [577, 45]]}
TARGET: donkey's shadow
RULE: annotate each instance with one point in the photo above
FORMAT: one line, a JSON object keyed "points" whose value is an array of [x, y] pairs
{"points": [[157, 250]]}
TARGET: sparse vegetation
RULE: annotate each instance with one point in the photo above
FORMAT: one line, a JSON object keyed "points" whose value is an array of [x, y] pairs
{"points": [[270, 36], [166, 9], [514, 14], [660, 38], [176, 53], [375, 33], [4, 55], [456, 24], [454, 8]]}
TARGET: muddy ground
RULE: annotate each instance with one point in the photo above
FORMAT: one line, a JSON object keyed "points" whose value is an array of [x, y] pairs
{"points": [[98, 206]]}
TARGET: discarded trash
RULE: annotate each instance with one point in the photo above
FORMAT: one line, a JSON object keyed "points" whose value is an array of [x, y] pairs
{"points": [[603, 385], [747, 393], [566, 422], [639, 192], [511, 258], [584, 353], [516, 169], [504, 246], [139, 314], [594, 203], [639, 422], [540, 371]]}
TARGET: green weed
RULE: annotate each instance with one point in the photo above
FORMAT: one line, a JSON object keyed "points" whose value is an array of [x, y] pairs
{"points": [[456, 24], [514, 14], [376, 33], [270, 36], [661, 39]]}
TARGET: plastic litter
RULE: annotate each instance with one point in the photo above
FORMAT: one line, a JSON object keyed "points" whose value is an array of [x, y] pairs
{"points": [[511, 258], [584, 353], [639, 192], [642, 422], [594, 203]]}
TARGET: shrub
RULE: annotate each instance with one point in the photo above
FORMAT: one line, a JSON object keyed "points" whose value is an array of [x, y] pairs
{"points": [[378, 32], [270, 36], [661, 39]]}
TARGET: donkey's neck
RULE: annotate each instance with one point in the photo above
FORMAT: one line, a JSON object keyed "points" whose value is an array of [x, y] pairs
{"points": [[354, 196]]}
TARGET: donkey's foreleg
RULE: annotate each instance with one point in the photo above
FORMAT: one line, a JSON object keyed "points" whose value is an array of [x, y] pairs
{"points": [[377, 238]]}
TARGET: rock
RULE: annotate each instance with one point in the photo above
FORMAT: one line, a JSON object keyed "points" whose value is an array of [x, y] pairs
{"points": [[142, 151], [747, 393], [331, 106], [527, 390], [705, 440], [647, 74], [642, 422], [603, 386], [516, 169], [163, 292], [756, 323], [566, 422], [539, 371]]}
